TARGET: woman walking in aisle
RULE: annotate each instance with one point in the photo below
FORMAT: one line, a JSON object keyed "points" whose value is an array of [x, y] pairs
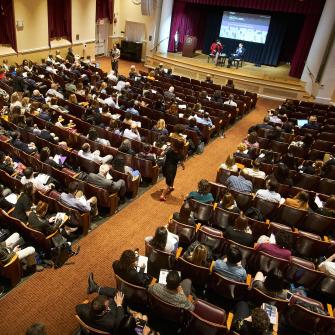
{"points": [[174, 155]]}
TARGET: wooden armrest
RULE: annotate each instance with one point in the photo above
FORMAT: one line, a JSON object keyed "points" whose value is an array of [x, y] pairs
{"points": [[295, 230], [14, 174], [86, 301], [197, 226], [325, 238], [248, 280], [170, 218], [240, 166], [237, 109], [275, 326], [230, 320], [190, 299], [267, 221], [215, 205], [179, 251], [211, 267], [11, 261], [76, 175], [330, 310], [10, 210]]}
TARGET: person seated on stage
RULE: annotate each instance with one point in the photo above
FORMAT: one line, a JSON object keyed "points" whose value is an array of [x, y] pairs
{"points": [[230, 101], [104, 180], [208, 79], [240, 50], [170, 95], [216, 47], [230, 83]]}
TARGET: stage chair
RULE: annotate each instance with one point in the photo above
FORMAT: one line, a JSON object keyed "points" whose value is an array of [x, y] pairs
{"points": [[238, 62], [88, 329]]}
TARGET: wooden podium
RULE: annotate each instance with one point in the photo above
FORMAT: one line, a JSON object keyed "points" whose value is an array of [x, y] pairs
{"points": [[189, 47]]}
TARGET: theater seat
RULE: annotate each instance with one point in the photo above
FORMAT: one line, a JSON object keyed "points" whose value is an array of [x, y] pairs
{"points": [[88, 329]]}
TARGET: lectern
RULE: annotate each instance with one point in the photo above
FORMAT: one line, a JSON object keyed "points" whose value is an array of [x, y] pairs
{"points": [[190, 44]]}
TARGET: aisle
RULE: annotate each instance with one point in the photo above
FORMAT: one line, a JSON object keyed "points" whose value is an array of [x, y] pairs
{"points": [[50, 297]]}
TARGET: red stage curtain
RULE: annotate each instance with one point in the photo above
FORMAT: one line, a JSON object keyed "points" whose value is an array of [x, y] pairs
{"points": [[7, 24], [311, 9], [104, 10], [59, 19]]}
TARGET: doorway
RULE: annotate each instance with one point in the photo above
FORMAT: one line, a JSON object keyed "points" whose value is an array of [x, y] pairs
{"points": [[101, 37]]}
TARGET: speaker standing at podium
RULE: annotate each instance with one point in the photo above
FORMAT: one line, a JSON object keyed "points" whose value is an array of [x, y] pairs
{"points": [[115, 54]]}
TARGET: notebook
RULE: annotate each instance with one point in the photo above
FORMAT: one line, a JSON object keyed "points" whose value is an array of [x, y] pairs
{"points": [[142, 260], [271, 311], [12, 198], [301, 123], [42, 178], [163, 274]]}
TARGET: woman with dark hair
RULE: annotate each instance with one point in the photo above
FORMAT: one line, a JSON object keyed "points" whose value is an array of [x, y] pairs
{"points": [[37, 220], [203, 193], [306, 142], [290, 161], [272, 284], [163, 240], [126, 268], [266, 156], [240, 232], [228, 203], [174, 155], [282, 174], [251, 140], [118, 164], [45, 158], [24, 203]]}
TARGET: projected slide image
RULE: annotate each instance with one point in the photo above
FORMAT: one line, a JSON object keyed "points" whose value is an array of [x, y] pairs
{"points": [[245, 27]]}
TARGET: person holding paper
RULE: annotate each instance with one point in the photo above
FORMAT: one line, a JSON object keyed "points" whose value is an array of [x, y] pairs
{"points": [[40, 184], [175, 292], [126, 268]]}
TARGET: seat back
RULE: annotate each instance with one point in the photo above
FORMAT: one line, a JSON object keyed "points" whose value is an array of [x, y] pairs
{"points": [[226, 288], [243, 200], [306, 181], [290, 216], [198, 274], [212, 238], [206, 319], [88, 329], [266, 207], [326, 186], [158, 260], [311, 246], [317, 223], [136, 296], [166, 311], [259, 297], [202, 212], [222, 218], [327, 287], [185, 232]]}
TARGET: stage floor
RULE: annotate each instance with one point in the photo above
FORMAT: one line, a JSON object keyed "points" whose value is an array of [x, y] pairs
{"points": [[265, 80]]}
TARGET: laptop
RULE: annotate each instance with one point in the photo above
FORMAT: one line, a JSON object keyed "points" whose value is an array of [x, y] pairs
{"points": [[301, 122]]}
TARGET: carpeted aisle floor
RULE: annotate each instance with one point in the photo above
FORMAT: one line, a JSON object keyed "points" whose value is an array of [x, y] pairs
{"points": [[50, 296]]}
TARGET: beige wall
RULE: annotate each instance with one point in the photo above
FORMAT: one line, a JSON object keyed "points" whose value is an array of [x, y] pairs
{"points": [[83, 20], [34, 34], [32, 40], [125, 10]]}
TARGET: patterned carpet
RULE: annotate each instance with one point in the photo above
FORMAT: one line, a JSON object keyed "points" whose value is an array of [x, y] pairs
{"points": [[50, 297]]}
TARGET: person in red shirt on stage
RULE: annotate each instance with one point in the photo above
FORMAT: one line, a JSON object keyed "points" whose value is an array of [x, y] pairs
{"points": [[216, 47]]}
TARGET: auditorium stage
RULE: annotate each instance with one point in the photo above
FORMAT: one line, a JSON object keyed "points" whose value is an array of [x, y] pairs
{"points": [[267, 81]]}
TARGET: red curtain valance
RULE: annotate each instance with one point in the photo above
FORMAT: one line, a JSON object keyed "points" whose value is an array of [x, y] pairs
{"points": [[104, 10], [7, 24]]}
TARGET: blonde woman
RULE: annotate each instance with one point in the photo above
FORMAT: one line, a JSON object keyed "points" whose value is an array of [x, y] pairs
{"points": [[73, 99], [15, 101], [173, 110], [229, 164], [160, 127]]}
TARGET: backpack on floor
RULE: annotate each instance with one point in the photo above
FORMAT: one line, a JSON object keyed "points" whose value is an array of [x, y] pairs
{"points": [[61, 252]]}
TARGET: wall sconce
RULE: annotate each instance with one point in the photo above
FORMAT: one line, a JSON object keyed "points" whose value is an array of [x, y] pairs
{"points": [[19, 25]]}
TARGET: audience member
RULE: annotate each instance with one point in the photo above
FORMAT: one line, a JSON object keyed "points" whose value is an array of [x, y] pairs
{"points": [[24, 203], [240, 232], [132, 133], [175, 292], [230, 101], [229, 164], [270, 192], [255, 171], [231, 267], [300, 201], [203, 193], [228, 203], [86, 152], [239, 183], [163, 240]]}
